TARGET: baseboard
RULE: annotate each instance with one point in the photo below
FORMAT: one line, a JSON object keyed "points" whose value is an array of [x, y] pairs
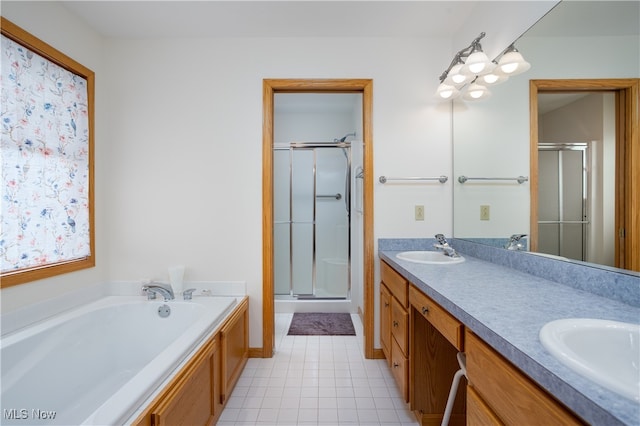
{"points": [[256, 353], [378, 354]]}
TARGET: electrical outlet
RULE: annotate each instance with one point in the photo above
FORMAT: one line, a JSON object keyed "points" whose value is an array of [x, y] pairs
{"points": [[419, 212], [485, 212]]}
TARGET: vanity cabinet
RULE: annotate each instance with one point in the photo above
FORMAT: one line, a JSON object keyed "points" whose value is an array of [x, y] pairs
{"points": [[436, 337], [198, 393], [500, 394], [394, 321]]}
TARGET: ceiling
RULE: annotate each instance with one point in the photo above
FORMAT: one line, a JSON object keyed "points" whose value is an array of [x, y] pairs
{"points": [[239, 18], [331, 18]]}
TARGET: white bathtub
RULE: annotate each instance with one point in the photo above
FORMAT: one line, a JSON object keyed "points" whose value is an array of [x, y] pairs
{"points": [[97, 364]]}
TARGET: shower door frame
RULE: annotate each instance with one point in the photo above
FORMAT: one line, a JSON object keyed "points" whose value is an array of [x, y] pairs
{"points": [[312, 146]]}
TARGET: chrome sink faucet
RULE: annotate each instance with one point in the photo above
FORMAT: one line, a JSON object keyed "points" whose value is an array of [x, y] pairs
{"points": [[162, 289], [515, 243], [443, 245]]}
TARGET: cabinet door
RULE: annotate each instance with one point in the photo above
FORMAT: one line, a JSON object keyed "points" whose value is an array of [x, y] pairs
{"points": [[234, 339], [385, 321], [512, 396], [190, 402], [478, 413]]}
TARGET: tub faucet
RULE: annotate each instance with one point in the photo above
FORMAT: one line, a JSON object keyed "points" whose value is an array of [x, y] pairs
{"points": [[515, 243], [162, 289], [445, 247]]}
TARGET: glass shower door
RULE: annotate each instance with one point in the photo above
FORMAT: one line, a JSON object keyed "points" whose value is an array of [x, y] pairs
{"points": [[311, 232], [562, 209], [332, 222], [302, 221]]}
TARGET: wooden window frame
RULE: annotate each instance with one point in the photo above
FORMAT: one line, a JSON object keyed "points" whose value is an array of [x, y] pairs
{"points": [[29, 41]]}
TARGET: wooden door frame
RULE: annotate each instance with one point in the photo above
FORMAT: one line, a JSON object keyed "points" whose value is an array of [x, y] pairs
{"points": [[627, 196], [269, 88]]}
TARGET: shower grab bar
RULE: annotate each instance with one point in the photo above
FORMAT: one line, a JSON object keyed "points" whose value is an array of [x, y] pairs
{"points": [[441, 179], [571, 222], [520, 179], [337, 196]]}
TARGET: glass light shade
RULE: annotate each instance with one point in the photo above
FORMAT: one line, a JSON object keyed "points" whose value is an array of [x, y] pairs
{"points": [[512, 63], [455, 77], [478, 63], [447, 91], [492, 78], [476, 92]]}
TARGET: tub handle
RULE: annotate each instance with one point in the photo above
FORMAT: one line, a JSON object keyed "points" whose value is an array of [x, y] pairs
{"points": [[188, 294]]}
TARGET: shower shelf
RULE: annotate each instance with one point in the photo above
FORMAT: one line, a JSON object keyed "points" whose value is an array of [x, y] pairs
{"points": [[441, 179]]}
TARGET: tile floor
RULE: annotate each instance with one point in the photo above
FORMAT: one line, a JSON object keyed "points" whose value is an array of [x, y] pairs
{"points": [[316, 380]]}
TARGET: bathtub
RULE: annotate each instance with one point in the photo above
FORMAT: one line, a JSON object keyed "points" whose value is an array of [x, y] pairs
{"points": [[99, 363]]}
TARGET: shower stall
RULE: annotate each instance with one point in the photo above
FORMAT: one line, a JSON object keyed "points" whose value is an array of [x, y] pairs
{"points": [[312, 209], [563, 225]]}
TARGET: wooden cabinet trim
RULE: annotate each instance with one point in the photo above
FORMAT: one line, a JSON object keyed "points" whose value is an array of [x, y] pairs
{"points": [[385, 322]]}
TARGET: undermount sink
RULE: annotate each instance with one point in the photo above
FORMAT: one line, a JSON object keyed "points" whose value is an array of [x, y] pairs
{"points": [[430, 257], [607, 352]]}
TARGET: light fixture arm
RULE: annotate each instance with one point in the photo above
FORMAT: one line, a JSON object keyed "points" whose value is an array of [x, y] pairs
{"points": [[464, 53]]}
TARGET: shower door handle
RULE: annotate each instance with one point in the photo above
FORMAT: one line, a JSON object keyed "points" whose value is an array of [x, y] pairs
{"points": [[337, 196]]}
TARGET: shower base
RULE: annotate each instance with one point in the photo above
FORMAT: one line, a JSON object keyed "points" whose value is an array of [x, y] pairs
{"points": [[289, 304]]}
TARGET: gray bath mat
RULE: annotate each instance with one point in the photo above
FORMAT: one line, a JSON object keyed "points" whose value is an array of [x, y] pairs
{"points": [[321, 324]]}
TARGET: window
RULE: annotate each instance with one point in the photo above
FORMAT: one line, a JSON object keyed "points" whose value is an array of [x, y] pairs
{"points": [[47, 225]]}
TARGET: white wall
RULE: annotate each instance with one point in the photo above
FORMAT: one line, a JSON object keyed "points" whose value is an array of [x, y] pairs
{"points": [[44, 20]]}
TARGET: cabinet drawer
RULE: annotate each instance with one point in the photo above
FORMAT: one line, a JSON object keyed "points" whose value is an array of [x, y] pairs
{"points": [[396, 284], [400, 325], [512, 396], [400, 369], [442, 320]]}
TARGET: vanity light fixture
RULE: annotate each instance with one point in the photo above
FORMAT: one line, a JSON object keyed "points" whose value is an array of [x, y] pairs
{"points": [[476, 92], [512, 62], [471, 71], [446, 91], [494, 77]]}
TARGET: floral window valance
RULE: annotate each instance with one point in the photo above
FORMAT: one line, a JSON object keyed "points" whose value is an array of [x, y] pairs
{"points": [[45, 159]]}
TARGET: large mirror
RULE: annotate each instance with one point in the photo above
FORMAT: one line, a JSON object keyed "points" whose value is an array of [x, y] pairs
{"points": [[491, 138]]}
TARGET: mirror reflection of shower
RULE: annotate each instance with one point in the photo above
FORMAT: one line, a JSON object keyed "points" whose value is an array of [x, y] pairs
{"points": [[316, 227]]}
